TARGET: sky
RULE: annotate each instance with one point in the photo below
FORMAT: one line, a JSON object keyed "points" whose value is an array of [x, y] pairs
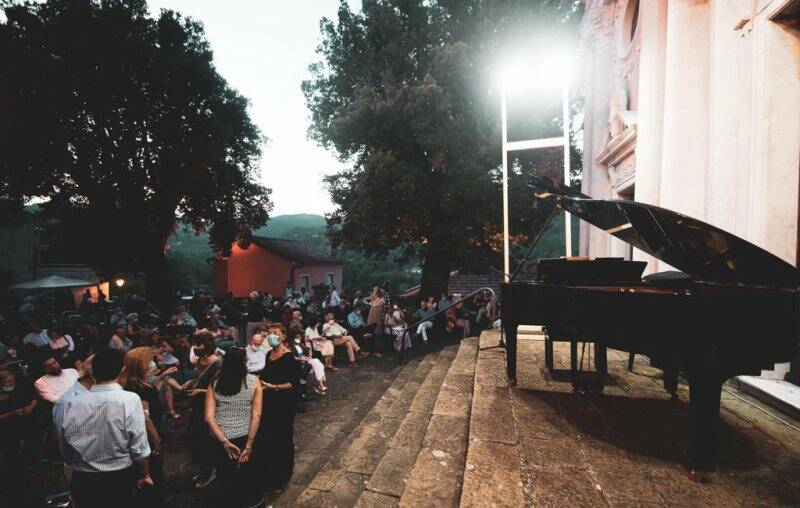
{"points": [[263, 49]]}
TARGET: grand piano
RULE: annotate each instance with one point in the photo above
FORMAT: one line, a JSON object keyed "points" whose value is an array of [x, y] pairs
{"points": [[736, 310]]}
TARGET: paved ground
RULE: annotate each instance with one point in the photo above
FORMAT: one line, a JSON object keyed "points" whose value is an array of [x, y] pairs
{"points": [[629, 446]]}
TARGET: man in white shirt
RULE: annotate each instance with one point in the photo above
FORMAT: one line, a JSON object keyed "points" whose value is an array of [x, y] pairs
{"points": [[56, 381], [37, 337], [256, 354]]}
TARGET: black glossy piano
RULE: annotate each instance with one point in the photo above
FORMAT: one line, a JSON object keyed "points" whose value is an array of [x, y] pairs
{"points": [[734, 309]]}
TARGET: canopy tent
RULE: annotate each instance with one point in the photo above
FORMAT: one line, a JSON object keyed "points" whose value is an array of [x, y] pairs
{"points": [[53, 282]]}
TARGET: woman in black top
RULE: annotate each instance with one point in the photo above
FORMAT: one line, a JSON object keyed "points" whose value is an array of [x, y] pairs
{"points": [[275, 440], [208, 365]]}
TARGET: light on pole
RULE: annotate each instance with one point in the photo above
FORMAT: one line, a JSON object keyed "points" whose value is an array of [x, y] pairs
{"points": [[553, 72]]}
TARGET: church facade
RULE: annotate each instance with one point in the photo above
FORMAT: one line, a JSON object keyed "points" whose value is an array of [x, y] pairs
{"points": [[694, 105]]}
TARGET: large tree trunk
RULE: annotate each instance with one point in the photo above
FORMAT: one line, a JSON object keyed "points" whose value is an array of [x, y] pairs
{"points": [[158, 285], [435, 274]]}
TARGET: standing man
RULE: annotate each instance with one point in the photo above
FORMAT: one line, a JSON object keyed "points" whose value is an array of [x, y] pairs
{"points": [[104, 439], [335, 299]]}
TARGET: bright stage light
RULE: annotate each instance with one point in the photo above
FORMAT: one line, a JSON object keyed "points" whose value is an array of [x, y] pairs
{"points": [[550, 68]]}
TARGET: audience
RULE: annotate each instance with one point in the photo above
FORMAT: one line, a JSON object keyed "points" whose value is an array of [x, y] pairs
{"points": [[168, 364]]}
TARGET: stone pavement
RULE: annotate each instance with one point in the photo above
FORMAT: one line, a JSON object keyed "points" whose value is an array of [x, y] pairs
{"points": [[626, 447]]}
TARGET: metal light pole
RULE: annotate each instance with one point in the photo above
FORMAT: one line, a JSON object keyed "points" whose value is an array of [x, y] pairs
{"points": [[532, 144]]}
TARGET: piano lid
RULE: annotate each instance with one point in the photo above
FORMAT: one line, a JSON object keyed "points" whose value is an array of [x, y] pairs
{"points": [[704, 252]]}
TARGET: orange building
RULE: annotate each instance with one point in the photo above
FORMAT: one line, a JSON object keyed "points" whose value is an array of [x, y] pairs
{"points": [[269, 263]]}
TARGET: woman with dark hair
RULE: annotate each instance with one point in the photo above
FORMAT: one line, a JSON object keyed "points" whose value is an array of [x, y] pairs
{"points": [[208, 365], [233, 414], [275, 441]]}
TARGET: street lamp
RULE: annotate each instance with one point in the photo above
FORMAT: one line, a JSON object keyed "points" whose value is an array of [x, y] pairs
{"points": [[552, 70], [119, 282]]}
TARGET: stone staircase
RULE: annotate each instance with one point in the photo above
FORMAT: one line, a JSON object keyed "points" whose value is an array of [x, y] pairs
{"points": [[410, 449]]}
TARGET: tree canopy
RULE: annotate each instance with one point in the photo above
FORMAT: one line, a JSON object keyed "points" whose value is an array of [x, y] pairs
{"points": [[123, 124], [404, 94]]}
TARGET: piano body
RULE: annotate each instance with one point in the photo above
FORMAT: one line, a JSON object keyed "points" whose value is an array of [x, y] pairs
{"points": [[735, 312]]}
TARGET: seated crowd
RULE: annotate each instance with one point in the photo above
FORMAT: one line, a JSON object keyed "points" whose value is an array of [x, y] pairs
{"points": [[98, 389]]}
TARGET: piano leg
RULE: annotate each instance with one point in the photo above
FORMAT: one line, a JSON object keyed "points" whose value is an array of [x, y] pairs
{"points": [[510, 330], [671, 380], [705, 389], [573, 363], [601, 365], [548, 353]]}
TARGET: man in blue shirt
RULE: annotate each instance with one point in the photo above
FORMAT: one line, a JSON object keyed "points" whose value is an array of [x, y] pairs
{"points": [[357, 326], [103, 438], [423, 313]]}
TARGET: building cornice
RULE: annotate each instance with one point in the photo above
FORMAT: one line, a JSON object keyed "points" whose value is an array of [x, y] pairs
{"points": [[618, 148]]}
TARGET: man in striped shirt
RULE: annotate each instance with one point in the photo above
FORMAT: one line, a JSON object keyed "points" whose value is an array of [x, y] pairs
{"points": [[103, 438]]}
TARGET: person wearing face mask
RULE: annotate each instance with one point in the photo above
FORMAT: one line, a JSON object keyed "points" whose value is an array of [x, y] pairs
{"points": [[275, 440], [17, 403], [338, 335]]}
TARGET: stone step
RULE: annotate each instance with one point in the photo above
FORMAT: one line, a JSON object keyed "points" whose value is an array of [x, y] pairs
{"points": [[329, 440], [492, 472], [345, 479], [426, 468]]}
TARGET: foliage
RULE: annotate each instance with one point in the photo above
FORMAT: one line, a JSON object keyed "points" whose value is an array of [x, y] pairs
{"points": [[401, 94], [122, 122]]}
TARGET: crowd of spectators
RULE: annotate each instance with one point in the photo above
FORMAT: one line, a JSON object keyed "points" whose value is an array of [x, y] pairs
{"points": [[97, 387]]}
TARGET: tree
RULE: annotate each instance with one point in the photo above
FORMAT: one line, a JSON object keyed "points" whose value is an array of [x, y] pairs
{"points": [[401, 94], [122, 123]]}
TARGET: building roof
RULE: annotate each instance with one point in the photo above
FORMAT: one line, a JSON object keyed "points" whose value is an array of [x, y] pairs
{"points": [[296, 251]]}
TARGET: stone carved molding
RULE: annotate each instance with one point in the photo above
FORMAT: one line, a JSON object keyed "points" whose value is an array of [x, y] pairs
{"points": [[597, 27], [610, 22]]}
